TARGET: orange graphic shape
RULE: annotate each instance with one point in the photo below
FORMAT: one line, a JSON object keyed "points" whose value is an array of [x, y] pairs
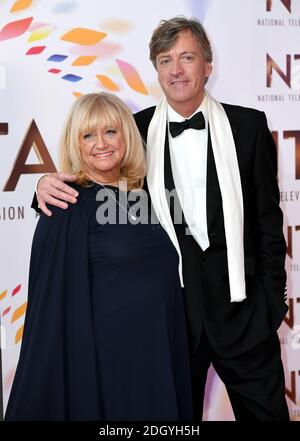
{"points": [[19, 312], [15, 28], [83, 36], [19, 334], [107, 82], [3, 294], [84, 60], [132, 77], [77, 94], [20, 4]]}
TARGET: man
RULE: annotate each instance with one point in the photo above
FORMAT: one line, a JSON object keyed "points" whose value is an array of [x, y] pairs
{"points": [[222, 164]]}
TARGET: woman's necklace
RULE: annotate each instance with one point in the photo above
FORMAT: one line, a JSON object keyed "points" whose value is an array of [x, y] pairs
{"points": [[132, 216]]}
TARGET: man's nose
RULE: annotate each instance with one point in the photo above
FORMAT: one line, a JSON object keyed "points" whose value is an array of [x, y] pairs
{"points": [[176, 68]]}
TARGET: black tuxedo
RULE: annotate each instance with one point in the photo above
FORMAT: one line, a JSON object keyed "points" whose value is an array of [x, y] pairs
{"points": [[238, 338], [235, 328]]}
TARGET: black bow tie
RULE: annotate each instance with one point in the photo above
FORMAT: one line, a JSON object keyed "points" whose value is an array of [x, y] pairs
{"points": [[197, 122]]}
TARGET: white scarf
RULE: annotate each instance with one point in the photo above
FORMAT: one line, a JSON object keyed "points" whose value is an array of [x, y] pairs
{"points": [[229, 180]]}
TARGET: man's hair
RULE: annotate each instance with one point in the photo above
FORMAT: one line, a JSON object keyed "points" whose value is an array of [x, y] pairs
{"points": [[166, 34]]}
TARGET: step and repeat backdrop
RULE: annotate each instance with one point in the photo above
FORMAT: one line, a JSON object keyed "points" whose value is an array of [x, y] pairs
{"points": [[51, 52]]}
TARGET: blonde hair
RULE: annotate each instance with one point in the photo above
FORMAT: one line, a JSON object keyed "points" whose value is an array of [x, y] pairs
{"points": [[86, 114]]}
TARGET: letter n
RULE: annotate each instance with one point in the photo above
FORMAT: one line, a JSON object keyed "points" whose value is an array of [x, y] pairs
{"points": [[286, 3], [271, 64]]}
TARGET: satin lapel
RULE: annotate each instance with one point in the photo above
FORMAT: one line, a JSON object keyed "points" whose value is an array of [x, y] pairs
{"points": [[213, 193], [170, 185], [169, 181]]}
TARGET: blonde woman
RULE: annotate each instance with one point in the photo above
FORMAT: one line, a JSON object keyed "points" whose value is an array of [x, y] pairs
{"points": [[104, 335]]}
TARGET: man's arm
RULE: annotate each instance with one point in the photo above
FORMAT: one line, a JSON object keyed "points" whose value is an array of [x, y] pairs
{"points": [[272, 250], [52, 190]]}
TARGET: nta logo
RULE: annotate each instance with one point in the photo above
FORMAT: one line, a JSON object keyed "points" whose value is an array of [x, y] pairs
{"points": [[291, 75], [286, 3], [33, 139]]}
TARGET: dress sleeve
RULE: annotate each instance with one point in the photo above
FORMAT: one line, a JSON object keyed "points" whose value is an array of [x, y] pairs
{"points": [[56, 377]]}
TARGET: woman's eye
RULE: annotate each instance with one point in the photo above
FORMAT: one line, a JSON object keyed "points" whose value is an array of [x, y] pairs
{"points": [[88, 136], [111, 132]]}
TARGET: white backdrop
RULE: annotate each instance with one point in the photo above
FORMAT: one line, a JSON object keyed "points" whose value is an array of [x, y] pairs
{"points": [[51, 51]]}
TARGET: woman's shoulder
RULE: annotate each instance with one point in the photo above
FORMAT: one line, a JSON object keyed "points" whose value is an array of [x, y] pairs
{"points": [[87, 197], [86, 191], [85, 194]]}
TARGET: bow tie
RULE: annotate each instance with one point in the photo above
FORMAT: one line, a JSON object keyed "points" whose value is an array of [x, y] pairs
{"points": [[197, 122]]}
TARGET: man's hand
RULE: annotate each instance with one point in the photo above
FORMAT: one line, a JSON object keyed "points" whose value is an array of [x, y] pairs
{"points": [[52, 190]]}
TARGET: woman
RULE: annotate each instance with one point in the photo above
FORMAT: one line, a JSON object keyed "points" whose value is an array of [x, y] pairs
{"points": [[104, 335]]}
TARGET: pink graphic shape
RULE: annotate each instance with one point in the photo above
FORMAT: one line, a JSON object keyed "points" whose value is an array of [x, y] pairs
{"points": [[16, 290], [35, 50], [15, 28], [54, 71], [132, 77], [103, 50], [6, 311]]}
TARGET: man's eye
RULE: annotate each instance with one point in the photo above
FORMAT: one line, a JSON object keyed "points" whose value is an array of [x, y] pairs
{"points": [[164, 61], [188, 58]]}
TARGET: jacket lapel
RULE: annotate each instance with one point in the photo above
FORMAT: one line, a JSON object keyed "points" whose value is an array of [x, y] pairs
{"points": [[213, 193]]}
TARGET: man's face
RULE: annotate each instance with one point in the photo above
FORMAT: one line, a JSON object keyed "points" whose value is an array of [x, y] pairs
{"points": [[182, 71]]}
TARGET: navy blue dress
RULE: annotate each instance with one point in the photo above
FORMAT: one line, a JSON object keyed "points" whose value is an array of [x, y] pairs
{"points": [[105, 333]]}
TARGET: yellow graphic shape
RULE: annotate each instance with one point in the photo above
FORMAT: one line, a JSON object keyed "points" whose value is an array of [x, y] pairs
{"points": [[107, 82], [84, 60], [132, 77], [20, 4], [83, 36], [3, 294], [117, 26], [19, 334], [40, 34], [19, 312]]}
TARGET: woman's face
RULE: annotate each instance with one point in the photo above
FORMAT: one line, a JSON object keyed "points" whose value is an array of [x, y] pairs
{"points": [[102, 152]]}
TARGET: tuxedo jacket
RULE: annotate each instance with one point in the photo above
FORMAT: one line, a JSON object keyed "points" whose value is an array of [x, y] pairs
{"points": [[235, 327]]}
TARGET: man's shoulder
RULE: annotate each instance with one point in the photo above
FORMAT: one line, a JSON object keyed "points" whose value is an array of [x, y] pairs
{"points": [[241, 113], [144, 116], [143, 119], [145, 112]]}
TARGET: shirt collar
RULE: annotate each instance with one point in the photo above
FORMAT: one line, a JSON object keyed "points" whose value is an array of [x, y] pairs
{"points": [[174, 116]]}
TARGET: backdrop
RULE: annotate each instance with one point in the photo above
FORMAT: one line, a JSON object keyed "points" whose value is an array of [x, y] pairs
{"points": [[52, 51]]}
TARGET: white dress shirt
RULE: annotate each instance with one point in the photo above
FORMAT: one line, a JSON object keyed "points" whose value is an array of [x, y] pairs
{"points": [[188, 153]]}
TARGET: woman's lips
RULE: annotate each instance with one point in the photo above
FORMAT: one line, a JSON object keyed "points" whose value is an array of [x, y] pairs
{"points": [[103, 154]]}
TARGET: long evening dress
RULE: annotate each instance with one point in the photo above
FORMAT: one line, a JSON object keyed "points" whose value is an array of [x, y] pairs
{"points": [[105, 334]]}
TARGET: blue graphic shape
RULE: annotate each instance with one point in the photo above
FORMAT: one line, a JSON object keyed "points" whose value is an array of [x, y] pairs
{"points": [[57, 58], [72, 78], [199, 8], [65, 7]]}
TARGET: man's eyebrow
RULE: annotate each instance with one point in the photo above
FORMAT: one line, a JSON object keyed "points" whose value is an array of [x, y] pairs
{"points": [[188, 52], [168, 54], [163, 55]]}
